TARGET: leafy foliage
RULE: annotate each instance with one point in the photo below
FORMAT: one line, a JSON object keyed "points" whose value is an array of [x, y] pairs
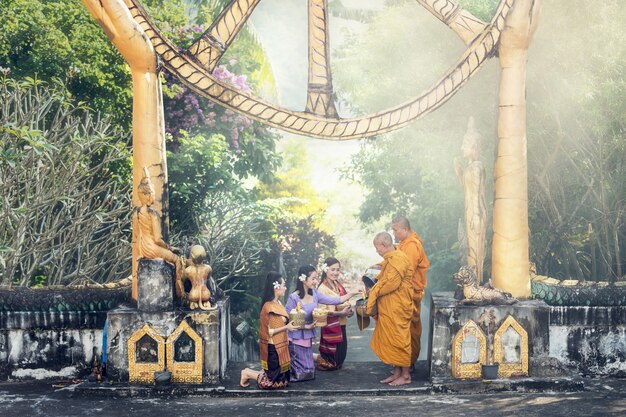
{"points": [[575, 133], [64, 214], [59, 39]]}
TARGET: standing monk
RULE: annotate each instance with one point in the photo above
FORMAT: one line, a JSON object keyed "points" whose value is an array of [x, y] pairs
{"points": [[391, 303], [411, 245]]}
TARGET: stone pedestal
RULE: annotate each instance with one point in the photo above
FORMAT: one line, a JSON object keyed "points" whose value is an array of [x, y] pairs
{"points": [[212, 326], [155, 285], [155, 308], [447, 317]]}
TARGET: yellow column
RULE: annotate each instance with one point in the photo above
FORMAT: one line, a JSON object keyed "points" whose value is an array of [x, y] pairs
{"points": [[148, 121], [510, 263]]}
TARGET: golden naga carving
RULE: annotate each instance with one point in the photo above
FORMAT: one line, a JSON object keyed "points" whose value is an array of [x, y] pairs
{"points": [[197, 274], [473, 294], [320, 122]]}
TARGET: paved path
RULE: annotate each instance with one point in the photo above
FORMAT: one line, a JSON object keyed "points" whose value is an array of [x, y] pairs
{"points": [[601, 398]]}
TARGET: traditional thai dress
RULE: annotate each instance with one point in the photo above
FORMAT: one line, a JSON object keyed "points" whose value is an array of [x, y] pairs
{"points": [[275, 359], [334, 340], [301, 341]]}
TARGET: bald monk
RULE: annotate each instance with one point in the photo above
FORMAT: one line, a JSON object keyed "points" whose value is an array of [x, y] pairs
{"points": [[411, 245], [391, 299]]}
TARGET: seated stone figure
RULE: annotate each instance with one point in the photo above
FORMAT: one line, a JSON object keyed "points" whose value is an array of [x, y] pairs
{"points": [[147, 226], [197, 273], [473, 294]]}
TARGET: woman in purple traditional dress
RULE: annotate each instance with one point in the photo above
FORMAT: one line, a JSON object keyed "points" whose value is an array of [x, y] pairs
{"points": [[301, 341]]}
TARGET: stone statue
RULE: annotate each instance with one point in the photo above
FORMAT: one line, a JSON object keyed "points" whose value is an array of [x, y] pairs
{"points": [[197, 273], [472, 178], [147, 227], [473, 294]]}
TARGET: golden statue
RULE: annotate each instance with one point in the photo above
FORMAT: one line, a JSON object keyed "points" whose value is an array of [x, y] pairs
{"points": [[147, 227], [197, 273], [472, 178], [473, 294]]}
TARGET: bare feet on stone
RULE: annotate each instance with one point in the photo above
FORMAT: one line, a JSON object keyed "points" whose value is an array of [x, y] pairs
{"points": [[400, 381], [389, 379], [244, 380]]}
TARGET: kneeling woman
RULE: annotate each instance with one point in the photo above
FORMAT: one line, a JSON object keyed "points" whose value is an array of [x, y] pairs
{"points": [[273, 342], [300, 341]]}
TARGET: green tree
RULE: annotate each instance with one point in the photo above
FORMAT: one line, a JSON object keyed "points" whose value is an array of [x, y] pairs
{"points": [[59, 39], [575, 132], [64, 214]]}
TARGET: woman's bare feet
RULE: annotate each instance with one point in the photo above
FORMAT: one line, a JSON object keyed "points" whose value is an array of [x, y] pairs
{"points": [[244, 379]]}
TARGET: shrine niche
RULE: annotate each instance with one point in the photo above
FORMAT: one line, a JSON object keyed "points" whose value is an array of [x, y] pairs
{"points": [[469, 351], [510, 349], [185, 355], [146, 355]]}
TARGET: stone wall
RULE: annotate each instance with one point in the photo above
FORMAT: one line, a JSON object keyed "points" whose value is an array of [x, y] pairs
{"points": [[590, 339], [49, 344], [587, 340]]}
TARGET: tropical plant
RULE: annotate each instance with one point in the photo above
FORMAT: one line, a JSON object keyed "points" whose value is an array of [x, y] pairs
{"points": [[64, 213]]}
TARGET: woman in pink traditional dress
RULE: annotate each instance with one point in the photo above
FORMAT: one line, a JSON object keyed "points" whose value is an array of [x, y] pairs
{"points": [[334, 340]]}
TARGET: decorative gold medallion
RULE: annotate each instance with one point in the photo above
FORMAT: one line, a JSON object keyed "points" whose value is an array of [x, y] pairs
{"points": [[510, 349], [146, 355], [469, 351], [185, 355]]}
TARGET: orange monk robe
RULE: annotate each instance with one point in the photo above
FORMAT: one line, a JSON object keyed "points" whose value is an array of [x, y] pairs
{"points": [[392, 297], [412, 246]]}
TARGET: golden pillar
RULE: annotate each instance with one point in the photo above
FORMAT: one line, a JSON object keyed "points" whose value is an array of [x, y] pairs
{"points": [[510, 263], [148, 122]]}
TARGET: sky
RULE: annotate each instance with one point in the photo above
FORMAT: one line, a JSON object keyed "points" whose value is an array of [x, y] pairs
{"points": [[281, 25]]}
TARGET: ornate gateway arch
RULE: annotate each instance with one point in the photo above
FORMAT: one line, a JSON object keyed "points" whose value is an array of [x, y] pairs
{"points": [[508, 35]]}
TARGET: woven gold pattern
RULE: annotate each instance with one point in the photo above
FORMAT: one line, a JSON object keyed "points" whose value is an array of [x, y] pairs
{"points": [[186, 372], [143, 372], [196, 74]]}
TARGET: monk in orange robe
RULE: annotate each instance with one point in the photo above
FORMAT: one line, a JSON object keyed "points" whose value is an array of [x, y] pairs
{"points": [[390, 302], [411, 244]]}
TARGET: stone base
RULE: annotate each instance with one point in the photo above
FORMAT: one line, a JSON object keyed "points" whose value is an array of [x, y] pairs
{"points": [[155, 286], [447, 317], [212, 326]]}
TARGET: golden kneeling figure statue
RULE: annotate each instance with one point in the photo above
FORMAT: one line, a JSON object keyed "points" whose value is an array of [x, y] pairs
{"points": [[197, 273]]}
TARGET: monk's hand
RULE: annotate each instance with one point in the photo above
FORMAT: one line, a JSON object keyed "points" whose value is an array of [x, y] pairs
{"points": [[290, 327]]}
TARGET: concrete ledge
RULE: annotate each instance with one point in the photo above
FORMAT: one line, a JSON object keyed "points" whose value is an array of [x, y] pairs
{"points": [[354, 379]]}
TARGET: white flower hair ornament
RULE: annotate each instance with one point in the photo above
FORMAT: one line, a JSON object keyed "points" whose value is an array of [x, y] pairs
{"points": [[324, 268], [302, 277], [276, 285]]}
